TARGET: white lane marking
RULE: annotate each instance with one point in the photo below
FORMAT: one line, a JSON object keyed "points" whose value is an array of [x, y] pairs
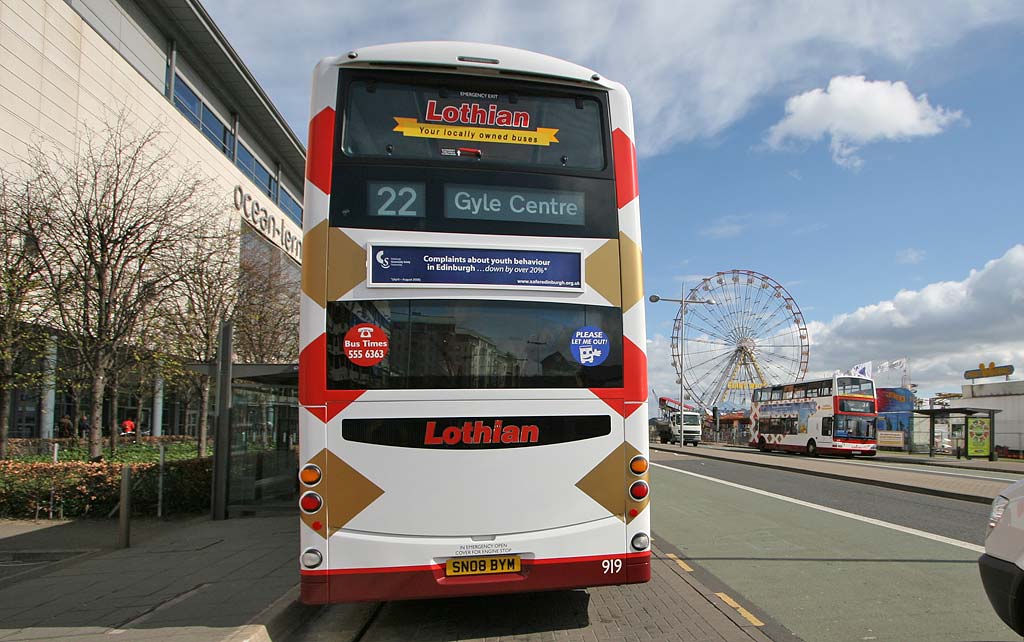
{"points": [[929, 471], [920, 468], [834, 511]]}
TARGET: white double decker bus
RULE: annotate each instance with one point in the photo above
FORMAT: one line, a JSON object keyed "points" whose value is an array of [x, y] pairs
{"points": [[828, 416], [473, 369]]}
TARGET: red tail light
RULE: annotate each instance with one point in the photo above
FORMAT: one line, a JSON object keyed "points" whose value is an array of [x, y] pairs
{"points": [[639, 490], [311, 502]]}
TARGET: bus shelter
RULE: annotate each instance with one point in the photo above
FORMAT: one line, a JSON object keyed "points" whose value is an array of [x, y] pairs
{"points": [[979, 429]]}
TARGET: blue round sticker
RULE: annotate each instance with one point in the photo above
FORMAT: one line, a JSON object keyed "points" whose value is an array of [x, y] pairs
{"points": [[589, 346]]}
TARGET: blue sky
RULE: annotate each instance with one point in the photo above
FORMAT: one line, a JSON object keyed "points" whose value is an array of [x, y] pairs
{"points": [[866, 155]]}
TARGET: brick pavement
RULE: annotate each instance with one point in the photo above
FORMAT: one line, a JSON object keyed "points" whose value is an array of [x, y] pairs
{"points": [[928, 481], [672, 607], [196, 580], [228, 581]]}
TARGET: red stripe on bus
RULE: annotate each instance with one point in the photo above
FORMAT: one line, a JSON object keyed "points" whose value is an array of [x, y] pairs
{"points": [[634, 373], [625, 400], [612, 397], [313, 372], [313, 382], [589, 558], [319, 148], [324, 587], [320, 412], [434, 567], [380, 569], [627, 184]]}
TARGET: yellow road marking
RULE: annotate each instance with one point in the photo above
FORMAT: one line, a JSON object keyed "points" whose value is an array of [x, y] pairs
{"points": [[744, 613], [683, 565]]}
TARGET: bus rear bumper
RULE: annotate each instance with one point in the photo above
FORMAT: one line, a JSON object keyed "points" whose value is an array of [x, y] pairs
{"points": [[406, 583]]}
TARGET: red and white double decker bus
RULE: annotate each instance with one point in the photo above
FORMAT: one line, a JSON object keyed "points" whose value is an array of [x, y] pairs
{"points": [[828, 416], [473, 369]]}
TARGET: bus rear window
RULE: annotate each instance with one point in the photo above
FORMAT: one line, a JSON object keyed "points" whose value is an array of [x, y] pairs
{"points": [[440, 343], [472, 125]]}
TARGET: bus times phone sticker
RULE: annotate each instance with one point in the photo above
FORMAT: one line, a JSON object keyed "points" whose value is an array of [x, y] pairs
{"points": [[366, 345], [589, 346]]}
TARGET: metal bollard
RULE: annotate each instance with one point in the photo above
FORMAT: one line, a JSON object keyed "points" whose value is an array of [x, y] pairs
{"points": [[125, 508], [160, 485]]}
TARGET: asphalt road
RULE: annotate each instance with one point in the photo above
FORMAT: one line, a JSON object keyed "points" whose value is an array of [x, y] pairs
{"points": [[948, 517], [828, 560], [815, 559]]}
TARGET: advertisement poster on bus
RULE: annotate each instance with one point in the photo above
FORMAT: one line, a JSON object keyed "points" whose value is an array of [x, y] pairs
{"points": [[421, 266], [979, 436]]}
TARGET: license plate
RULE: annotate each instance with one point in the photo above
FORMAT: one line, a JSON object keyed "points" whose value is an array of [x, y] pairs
{"points": [[483, 565]]}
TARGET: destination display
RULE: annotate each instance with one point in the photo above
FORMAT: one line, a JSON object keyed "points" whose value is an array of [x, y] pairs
{"points": [[396, 199], [420, 266], [486, 203], [856, 405]]}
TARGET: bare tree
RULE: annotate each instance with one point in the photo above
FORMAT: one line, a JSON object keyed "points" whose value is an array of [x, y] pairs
{"points": [[206, 295], [118, 209], [20, 272], [267, 321]]}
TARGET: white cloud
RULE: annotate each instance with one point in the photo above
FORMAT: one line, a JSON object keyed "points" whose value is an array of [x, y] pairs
{"points": [[733, 225], [944, 328], [692, 67], [661, 375], [853, 112], [809, 228], [725, 227], [910, 256]]}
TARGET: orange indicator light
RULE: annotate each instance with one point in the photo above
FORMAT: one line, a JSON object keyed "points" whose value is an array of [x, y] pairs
{"points": [[638, 465], [310, 475]]}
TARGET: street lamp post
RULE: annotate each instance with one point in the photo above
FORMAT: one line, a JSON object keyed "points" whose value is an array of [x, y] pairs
{"points": [[683, 302]]}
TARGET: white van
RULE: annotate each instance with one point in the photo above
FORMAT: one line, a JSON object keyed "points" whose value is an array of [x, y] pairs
{"points": [[692, 428]]}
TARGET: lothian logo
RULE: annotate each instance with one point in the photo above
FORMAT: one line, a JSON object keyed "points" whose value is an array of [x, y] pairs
{"points": [[477, 432]]}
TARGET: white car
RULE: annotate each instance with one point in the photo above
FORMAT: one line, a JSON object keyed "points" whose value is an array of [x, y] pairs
{"points": [[1002, 565]]}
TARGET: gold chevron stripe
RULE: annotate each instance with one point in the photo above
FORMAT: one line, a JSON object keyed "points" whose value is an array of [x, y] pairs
{"points": [[603, 272], [632, 272], [608, 483], [346, 264], [346, 493], [314, 263]]}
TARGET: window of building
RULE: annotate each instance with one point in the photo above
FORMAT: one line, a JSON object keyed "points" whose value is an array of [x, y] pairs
{"points": [[256, 172], [218, 133], [187, 101], [290, 206], [199, 114]]}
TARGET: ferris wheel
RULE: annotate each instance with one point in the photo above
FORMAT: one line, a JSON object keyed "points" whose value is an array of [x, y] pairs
{"points": [[737, 331]]}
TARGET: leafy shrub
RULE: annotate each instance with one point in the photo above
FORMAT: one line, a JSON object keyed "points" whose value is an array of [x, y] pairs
{"points": [[176, 447], [92, 489]]}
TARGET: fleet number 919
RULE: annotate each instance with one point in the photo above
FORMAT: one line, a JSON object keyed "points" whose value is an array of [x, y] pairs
{"points": [[611, 566]]}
